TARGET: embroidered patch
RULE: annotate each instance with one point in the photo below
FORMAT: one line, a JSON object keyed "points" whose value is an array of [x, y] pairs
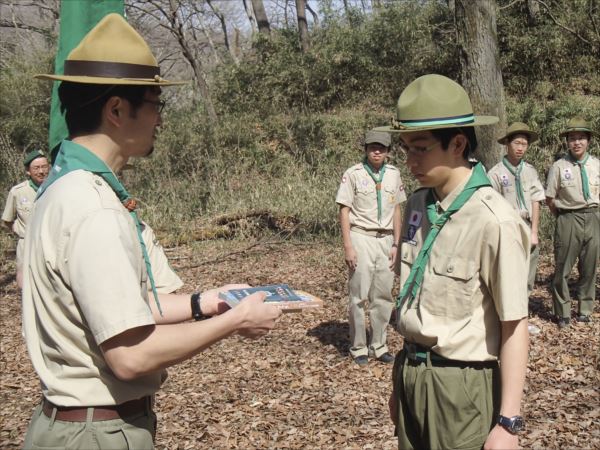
{"points": [[415, 218], [365, 182], [567, 174], [505, 180], [24, 200]]}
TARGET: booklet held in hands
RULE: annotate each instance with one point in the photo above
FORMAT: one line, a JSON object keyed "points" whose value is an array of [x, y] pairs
{"points": [[279, 294]]}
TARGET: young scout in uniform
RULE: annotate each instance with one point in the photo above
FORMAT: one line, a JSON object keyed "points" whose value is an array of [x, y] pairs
{"points": [[463, 264], [99, 345], [572, 190], [520, 185], [369, 197], [20, 201]]}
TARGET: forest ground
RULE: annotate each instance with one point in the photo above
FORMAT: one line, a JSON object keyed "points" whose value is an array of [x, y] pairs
{"points": [[298, 387]]}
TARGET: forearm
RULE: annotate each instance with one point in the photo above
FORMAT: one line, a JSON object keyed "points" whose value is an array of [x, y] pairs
{"points": [[175, 308], [551, 205], [397, 223], [344, 217], [145, 350], [513, 365], [535, 216]]}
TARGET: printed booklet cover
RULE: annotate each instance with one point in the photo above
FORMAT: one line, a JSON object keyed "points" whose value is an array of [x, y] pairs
{"points": [[281, 294]]}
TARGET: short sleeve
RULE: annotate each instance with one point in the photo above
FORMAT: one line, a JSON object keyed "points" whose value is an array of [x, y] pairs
{"points": [[165, 279], [504, 268], [10, 209], [537, 190], [552, 181], [345, 193], [105, 267], [401, 194]]}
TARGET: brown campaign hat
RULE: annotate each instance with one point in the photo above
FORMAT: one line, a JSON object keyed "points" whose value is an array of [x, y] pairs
{"points": [[112, 53], [379, 137], [518, 128], [578, 124], [432, 102]]}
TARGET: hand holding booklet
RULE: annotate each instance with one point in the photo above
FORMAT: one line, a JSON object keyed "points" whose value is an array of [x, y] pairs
{"points": [[279, 294]]}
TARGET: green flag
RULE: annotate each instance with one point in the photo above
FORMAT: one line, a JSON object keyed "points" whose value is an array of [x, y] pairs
{"points": [[77, 18]]}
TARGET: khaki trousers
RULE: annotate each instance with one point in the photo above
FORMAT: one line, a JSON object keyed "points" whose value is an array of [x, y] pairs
{"points": [[135, 432], [534, 256], [443, 408], [577, 235], [373, 281]]}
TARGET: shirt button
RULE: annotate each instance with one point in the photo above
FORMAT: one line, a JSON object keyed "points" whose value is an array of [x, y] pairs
{"points": [[99, 183], [450, 269]]}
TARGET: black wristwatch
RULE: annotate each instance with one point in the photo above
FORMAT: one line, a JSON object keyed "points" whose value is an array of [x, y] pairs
{"points": [[196, 310], [513, 424]]}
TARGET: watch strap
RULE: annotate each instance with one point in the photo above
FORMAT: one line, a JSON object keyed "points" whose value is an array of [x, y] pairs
{"points": [[195, 304]]}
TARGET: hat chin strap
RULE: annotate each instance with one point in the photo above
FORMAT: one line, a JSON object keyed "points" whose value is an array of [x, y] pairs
{"points": [[110, 69]]}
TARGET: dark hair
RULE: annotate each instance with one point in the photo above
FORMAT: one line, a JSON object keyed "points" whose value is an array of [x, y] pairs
{"points": [[445, 135], [82, 103]]}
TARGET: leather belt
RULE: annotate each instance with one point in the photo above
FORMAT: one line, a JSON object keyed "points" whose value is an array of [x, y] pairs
{"points": [[587, 209], [374, 233], [110, 412], [418, 354]]}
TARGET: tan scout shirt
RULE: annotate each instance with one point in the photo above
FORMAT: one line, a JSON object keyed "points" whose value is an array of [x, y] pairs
{"points": [[165, 280], [357, 191], [84, 282], [19, 204], [564, 183], [504, 182], [476, 275]]}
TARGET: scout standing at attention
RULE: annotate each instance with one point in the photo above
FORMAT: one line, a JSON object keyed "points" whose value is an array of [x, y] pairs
{"points": [[369, 196], [20, 201], [572, 191], [520, 185], [463, 264], [96, 341]]}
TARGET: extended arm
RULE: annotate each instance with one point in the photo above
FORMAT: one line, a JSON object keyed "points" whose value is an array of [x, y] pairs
{"points": [[397, 227], [143, 350]]}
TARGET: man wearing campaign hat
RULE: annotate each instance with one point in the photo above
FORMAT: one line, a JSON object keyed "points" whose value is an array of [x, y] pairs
{"points": [[97, 342], [572, 194], [19, 202], [520, 185], [369, 198], [462, 261]]}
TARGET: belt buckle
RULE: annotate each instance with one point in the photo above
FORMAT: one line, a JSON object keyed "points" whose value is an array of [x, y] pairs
{"points": [[379, 234]]}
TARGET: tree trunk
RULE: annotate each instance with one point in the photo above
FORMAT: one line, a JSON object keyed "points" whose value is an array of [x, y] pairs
{"points": [[480, 71], [302, 25], [533, 9], [217, 12], [261, 17], [250, 14]]}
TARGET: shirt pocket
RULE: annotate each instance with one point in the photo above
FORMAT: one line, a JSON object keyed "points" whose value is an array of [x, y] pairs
{"points": [[448, 290]]}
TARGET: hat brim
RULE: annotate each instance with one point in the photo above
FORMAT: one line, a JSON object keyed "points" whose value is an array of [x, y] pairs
{"points": [[479, 121], [532, 136], [572, 130], [113, 81]]}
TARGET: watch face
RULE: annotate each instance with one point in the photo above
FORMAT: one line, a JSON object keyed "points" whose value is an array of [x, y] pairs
{"points": [[518, 424]]}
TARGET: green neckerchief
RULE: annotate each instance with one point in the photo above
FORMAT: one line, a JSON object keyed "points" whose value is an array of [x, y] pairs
{"points": [[585, 183], [412, 284], [72, 156], [34, 186], [516, 172], [377, 180]]}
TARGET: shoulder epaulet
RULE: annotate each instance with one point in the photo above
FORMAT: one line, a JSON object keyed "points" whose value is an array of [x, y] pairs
{"points": [[390, 167], [357, 166]]}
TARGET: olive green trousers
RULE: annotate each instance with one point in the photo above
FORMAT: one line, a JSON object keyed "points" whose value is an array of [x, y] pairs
{"points": [[577, 235], [444, 407], [134, 432]]}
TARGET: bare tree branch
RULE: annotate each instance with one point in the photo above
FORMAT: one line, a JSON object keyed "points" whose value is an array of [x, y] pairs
{"points": [[564, 27]]}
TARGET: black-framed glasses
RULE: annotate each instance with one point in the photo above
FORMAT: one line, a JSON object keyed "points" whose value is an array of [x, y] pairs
{"points": [[159, 104]]}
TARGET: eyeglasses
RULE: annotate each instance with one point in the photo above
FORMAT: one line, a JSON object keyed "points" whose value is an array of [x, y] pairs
{"points": [[159, 104], [417, 151]]}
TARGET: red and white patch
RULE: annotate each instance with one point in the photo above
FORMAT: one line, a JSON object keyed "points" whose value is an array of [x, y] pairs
{"points": [[415, 218]]}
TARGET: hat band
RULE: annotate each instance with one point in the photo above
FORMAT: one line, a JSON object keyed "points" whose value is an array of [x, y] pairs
{"points": [[109, 69], [458, 120]]}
